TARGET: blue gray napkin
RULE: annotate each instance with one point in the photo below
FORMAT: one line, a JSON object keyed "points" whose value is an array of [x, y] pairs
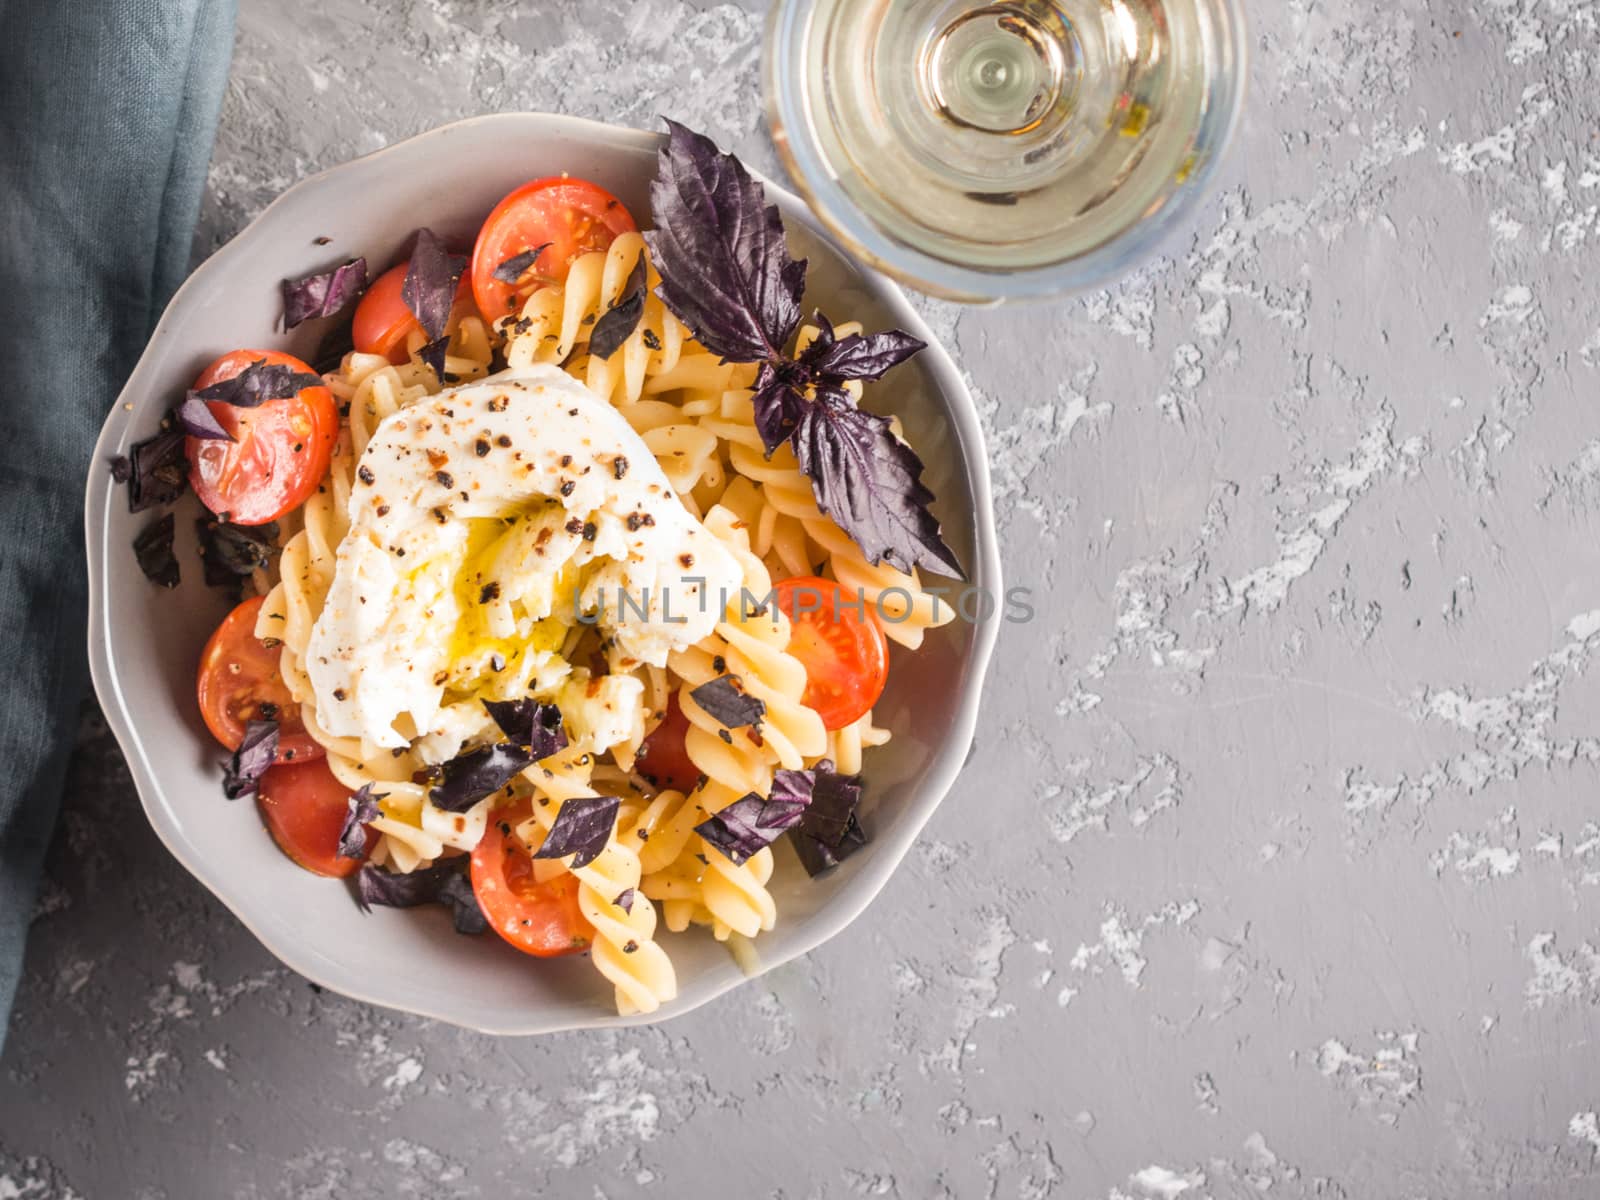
{"points": [[107, 111]]}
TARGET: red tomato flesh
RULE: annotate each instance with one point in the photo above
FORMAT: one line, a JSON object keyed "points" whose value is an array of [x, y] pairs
{"points": [[840, 644], [663, 758], [280, 451], [305, 807], [567, 217], [542, 919], [239, 681]]}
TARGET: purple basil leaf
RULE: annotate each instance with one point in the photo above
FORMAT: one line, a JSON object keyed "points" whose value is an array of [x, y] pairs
{"points": [[470, 777], [616, 326], [443, 883], [624, 900], [153, 549], [796, 787], [864, 355], [828, 829], [514, 268], [528, 723], [429, 289], [259, 382], [870, 483], [323, 294], [456, 894], [582, 829], [195, 418], [834, 799], [727, 703], [363, 808], [242, 776], [750, 823], [725, 268], [433, 354], [158, 471], [778, 405], [121, 468], [230, 552], [817, 856], [390, 889]]}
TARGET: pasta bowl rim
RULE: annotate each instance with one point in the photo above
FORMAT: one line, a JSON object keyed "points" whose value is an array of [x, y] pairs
{"points": [[119, 697]]}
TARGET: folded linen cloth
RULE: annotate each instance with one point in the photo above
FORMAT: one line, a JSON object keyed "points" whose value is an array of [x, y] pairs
{"points": [[107, 112]]}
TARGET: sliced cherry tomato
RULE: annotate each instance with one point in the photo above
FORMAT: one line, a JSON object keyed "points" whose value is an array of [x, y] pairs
{"points": [[542, 919], [305, 807], [567, 217], [280, 452], [663, 759], [841, 645], [239, 682], [383, 322]]}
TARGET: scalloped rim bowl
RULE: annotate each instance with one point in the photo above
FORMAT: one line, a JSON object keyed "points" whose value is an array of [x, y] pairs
{"points": [[144, 642]]}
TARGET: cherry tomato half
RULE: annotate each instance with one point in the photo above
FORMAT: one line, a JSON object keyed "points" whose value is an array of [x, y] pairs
{"points": [[568, 217], [840, 644], [662, 758], [280, 450], [239, 682], [305, 807], [542, 919], [383, 322]]}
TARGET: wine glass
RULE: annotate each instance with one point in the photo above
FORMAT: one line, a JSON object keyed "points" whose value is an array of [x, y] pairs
{"points": [[1009, 150]]}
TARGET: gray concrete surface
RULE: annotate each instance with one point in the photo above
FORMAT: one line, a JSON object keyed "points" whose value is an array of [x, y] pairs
{"points": [[1276, 869]]}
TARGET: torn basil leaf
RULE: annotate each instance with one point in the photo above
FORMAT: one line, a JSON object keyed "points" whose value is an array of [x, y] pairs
{"points": [[727, 703], [158, 472], [195, 418], [323, 294], [434, 354], [456, 894], [527, 722], [624, 900], [470, 777], [619, 321], [834, 800], [828, 830], [751, 823], [444, 883], [514, 268], [818, 856], [260, 382], [582, 829], [391, 889], [257, 751], [429, 289], [363, 808], [153, 549], [230, 552], [870, 483]]}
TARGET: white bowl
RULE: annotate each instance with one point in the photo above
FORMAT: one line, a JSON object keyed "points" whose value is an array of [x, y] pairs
{"points": [[144, 642]]}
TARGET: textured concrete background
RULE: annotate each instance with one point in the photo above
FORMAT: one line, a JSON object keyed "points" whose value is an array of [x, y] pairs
{"points": [[1277, 866]]}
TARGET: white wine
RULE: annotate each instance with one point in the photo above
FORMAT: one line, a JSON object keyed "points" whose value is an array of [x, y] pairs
{"points": [[1017, 148]]}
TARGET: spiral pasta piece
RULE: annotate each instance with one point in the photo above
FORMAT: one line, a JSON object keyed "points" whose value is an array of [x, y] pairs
{"points": [[624, 948], [556, 321]]}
